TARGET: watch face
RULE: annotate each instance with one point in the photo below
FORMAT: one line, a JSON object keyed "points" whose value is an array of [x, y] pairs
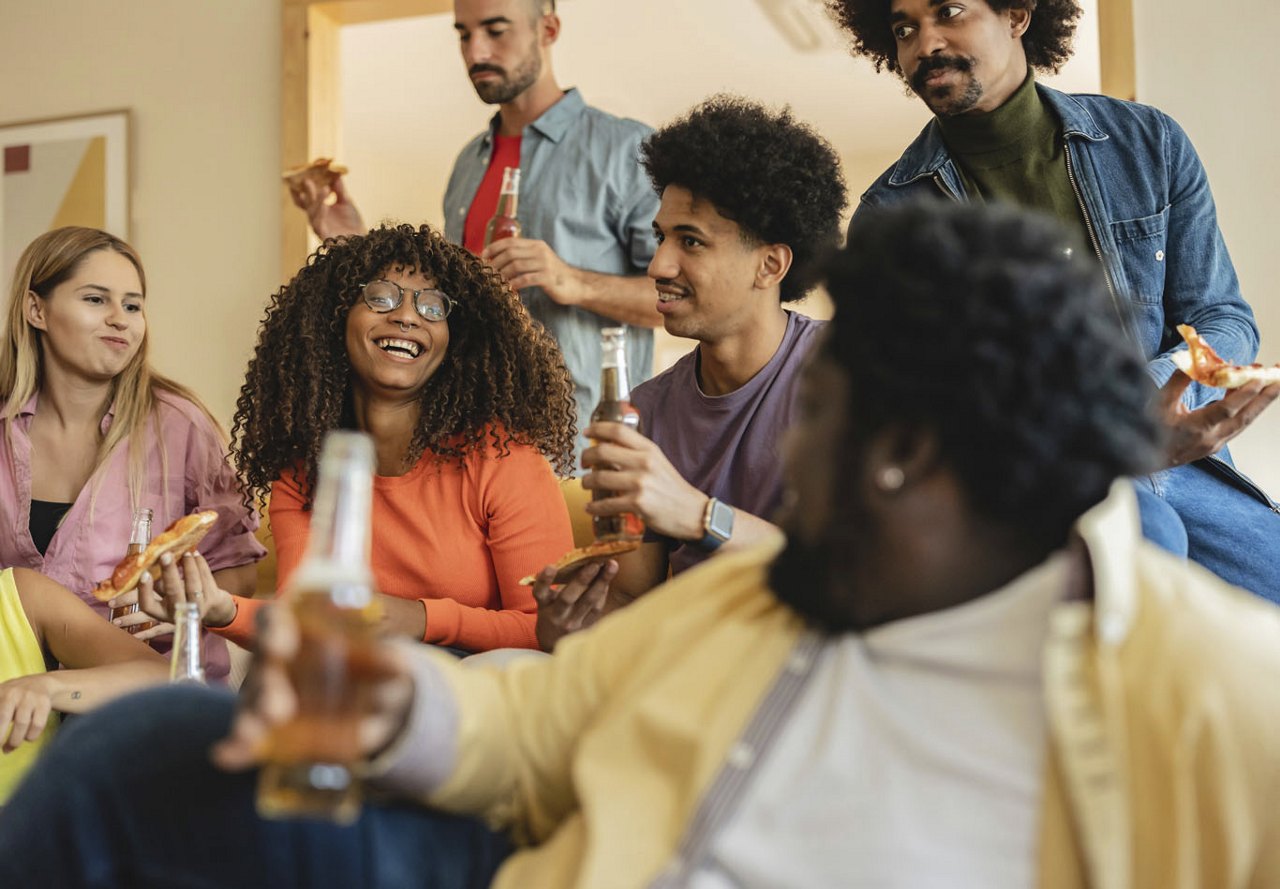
{"points": [[720, 522]]}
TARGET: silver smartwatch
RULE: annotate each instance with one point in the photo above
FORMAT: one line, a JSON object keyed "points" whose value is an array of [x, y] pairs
{"points": [[717, 525]]}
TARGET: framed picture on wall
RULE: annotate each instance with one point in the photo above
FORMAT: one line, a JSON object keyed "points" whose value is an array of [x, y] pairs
{"points": [[63, 171]]}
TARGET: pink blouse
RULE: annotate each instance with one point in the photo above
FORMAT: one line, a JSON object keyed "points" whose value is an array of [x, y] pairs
{"points": [[186, 470]]}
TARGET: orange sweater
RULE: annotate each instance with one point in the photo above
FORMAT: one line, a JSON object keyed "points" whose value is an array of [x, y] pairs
{"points": [[458, 538]]}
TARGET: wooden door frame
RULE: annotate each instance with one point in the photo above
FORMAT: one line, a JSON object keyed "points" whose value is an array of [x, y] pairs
{"points": [[310, 83], [310, 92]]}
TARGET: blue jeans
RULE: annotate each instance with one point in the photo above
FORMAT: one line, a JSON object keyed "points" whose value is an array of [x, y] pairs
{"points": [[126, 797], [1227, 530]]}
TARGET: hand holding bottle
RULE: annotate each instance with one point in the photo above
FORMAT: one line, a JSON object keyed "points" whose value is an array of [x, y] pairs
{"points": [[268, 700]]}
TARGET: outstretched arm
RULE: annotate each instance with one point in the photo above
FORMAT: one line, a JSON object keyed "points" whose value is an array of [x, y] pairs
{"points": [[329, 219], [101, 662]]}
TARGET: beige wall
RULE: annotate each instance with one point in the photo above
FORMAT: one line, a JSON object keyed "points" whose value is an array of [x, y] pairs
{"points": [[1213, 71], [407, 106], [202, 82]]}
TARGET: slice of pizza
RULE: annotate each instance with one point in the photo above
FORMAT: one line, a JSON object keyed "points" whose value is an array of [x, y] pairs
{"points": [[574, 559], [323, 171], [178, 539], [1204, 365]]}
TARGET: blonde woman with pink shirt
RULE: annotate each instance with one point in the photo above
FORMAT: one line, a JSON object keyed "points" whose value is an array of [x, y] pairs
{"points": [[89, 432]]}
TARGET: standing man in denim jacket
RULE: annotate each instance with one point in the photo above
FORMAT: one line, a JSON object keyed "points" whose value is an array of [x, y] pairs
{"points": [[1125, 178], [586, 207]]}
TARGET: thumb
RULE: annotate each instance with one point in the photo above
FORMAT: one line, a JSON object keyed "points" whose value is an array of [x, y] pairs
{"points": [[339, 187], [1169, 397]]}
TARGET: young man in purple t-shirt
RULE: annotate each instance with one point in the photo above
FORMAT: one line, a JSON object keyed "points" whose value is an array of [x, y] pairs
{"points": [[750, 198]]}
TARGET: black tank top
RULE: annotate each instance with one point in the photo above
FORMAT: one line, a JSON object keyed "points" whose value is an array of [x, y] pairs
{"points": [[44, 521]]}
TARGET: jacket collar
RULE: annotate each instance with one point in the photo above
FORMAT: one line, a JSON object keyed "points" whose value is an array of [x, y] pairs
{"points": [[1111, 532], [28, 411], [929, 153], [554, 122]]}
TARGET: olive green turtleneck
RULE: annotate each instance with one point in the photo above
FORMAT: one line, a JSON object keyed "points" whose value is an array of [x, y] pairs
{"points": [[1015, 154]]}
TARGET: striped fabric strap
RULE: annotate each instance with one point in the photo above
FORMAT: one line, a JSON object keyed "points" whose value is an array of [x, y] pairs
{"points": [[745, 755]]}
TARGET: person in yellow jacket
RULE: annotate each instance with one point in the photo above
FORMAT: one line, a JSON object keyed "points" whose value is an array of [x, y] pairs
{"points": [[964, 666], [44, 625]]}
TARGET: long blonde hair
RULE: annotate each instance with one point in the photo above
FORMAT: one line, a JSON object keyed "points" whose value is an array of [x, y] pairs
{"points": [[48, 261]]}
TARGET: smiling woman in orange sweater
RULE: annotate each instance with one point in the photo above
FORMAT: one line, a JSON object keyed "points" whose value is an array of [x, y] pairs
{"points": [[413, 340]]}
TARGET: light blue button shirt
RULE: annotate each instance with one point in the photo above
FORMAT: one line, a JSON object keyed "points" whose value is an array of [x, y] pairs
{"points": [[583, 191]]}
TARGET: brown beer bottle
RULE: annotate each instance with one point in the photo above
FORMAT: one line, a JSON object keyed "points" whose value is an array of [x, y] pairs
{"points": [[310, 762], [504, 223], [615, 406], [139, 537]]}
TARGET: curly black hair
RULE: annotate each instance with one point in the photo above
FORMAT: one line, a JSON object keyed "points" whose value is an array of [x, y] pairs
{"points": [[502, 372], [1048, 40], [974, 323], [773, 175]]}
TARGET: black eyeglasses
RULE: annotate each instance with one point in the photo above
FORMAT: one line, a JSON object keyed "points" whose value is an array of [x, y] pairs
{"points": [[387, 296]]}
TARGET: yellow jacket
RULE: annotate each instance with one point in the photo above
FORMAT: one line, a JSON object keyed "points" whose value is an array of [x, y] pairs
{"points": [[20, 655], [1164, 721]]}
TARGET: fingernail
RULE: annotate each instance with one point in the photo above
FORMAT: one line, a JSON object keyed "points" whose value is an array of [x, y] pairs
{"points": [[166, 559], [146, 576]]}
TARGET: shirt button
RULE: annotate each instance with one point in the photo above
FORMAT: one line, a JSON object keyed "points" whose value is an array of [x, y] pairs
{"points": [[462, 211], [1159, 256], [1112, 628], [741, 755]]}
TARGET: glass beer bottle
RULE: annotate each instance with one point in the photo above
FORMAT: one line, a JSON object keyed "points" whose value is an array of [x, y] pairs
{"points": [[615, 406], [504, 223], [310, 761], [184, 660], [139, 537]]}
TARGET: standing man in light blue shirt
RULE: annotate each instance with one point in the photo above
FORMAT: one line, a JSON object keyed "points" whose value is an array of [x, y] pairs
{"points": [[586, 206]]}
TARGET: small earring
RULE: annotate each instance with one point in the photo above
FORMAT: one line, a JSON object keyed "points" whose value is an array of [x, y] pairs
{"points": [[891, 478]]}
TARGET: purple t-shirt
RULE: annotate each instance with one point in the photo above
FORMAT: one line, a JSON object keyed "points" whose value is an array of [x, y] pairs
{"points": [[728, 446]]}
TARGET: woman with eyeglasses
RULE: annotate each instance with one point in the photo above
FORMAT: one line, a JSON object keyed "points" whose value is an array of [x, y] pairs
{"points": [[419, 344], [89, 432]]}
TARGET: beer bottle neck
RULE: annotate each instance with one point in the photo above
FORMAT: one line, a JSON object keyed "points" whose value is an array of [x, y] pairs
{"points": [[614, 385], [509, 196], [338, 548], [184, 664], [140, 534], [508, 205]]}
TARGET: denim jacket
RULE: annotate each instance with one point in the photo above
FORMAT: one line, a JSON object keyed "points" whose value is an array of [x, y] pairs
{"points": [[1147, 205]]}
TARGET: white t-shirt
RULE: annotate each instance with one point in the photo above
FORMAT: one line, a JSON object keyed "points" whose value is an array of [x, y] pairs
{"points": [[913, 757]]}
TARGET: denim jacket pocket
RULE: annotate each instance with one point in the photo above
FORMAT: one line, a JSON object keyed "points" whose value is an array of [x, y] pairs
{"points": [[1140, 245]]}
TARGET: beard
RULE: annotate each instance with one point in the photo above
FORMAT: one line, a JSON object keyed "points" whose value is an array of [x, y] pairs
{"points": [[947, 100], [507, 87], [820, 581]]}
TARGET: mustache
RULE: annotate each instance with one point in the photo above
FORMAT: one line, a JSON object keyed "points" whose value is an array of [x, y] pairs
{"points": [[672, 285], [481, 67], [933, 64]]}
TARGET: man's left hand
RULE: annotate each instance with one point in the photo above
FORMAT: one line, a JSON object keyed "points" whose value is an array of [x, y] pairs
{"points": [[1204, 431], [642, 480], [526, 262]]}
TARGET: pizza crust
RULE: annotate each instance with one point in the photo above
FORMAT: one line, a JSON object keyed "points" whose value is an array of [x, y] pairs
{"points": [[323, 171], [571, 561]]}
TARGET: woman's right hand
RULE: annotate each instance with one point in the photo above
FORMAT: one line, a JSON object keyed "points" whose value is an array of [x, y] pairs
{"points": [[25, 705]]}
